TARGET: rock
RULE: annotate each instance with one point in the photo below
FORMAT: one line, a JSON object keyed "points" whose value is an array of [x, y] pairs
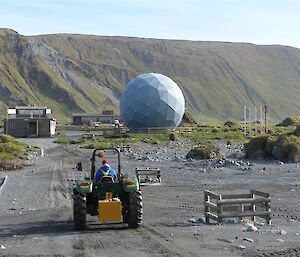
{"points": [[221, 162], [251, 227], [248, 240], [241, 247], [279, 240], [2, 247], [231, 221], [280, 163], [201, 220], [282, 232], [225, 240], [289, 121], [297, 131], [191, 220]]}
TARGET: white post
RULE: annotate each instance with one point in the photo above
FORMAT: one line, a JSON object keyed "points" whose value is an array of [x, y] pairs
{"points": [[261, 117], [6, 128]]}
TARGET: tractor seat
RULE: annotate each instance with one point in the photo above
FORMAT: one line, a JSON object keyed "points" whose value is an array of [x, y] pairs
{"points": [[106, 179]]}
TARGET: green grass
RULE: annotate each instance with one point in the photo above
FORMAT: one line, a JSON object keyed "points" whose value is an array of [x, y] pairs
{"points": [[6, 156], [60, 134], [68, 141], [11, 149], [116, 140], [202, 133]]}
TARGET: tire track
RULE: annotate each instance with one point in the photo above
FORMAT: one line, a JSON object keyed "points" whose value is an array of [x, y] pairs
{"points": [[287, 213], [166, 202], [60, 192], [291, 252], [161, 242]]}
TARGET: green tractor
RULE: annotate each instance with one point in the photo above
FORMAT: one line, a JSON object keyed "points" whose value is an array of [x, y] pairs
{"points": [[112, 201]]}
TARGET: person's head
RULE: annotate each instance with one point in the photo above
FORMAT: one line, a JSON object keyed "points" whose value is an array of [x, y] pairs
{"points": [[105, 162]]}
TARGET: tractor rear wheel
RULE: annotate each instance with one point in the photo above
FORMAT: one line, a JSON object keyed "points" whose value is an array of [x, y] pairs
{"points": [[135, 214], [79, 211]]}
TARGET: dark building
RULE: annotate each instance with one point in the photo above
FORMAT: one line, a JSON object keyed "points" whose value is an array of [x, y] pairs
{"points": [[106, 117], [29, 121]]}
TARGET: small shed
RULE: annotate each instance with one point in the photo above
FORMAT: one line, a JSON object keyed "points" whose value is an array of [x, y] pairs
{"points": [[29, 121]]}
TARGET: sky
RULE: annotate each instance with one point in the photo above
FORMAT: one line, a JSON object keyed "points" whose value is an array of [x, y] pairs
{"points": [[253, 21]]}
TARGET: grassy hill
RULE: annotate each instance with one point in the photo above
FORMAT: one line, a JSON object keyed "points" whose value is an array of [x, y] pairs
{"points": [[72, 73]]}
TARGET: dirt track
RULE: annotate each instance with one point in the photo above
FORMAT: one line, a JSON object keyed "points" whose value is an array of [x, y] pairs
{"points": [[36, 211]]}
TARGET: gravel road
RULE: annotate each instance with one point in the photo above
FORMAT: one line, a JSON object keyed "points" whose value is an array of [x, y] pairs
{"points": [[36, 208]]}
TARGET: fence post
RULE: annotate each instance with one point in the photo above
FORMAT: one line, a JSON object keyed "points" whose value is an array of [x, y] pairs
{"points": [[220, 210], [206, 208], [253, 207], [268, 208]]}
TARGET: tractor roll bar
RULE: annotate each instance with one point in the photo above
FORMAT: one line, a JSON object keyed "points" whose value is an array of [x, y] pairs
{"points": [[93, 159]]}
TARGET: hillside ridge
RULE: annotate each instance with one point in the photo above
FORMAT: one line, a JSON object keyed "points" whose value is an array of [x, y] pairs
{"points": [[87, 73]]}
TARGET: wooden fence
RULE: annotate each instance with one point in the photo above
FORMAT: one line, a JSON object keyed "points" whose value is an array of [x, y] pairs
{"points": [[124, 148], [148, 171], [219, 206], [184, 129]]}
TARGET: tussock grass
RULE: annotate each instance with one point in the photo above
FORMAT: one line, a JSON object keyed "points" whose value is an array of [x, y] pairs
{"points": [[230, 123], [204, 151], [286, 147], [11, 149], [290, 121]]}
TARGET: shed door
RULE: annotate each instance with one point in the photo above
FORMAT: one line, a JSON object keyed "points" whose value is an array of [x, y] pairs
{"points": [[33, 128]]}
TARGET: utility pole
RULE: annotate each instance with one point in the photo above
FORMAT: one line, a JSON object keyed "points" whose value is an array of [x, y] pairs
{"points": [[260, 116], [245, 120], [255, 118]]}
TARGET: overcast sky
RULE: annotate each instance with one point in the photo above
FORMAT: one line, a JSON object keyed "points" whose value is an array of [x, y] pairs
{"points": [[254, 21]]}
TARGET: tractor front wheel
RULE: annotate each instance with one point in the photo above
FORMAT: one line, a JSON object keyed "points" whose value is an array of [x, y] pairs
{"points": [[79, 211], [135, 214]]}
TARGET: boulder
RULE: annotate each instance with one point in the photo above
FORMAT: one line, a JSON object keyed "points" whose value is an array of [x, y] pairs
{"points": [[290, 121], [297, 131]]}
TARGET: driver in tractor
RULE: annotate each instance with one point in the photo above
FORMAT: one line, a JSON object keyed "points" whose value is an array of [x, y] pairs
{"points": [[105, 170]]}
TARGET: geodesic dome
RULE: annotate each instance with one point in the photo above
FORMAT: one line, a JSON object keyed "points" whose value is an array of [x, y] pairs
{"points": [[152, 100]]}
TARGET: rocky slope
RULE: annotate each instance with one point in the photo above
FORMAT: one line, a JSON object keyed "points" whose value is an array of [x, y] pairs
{"points": [[71, 73]]}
